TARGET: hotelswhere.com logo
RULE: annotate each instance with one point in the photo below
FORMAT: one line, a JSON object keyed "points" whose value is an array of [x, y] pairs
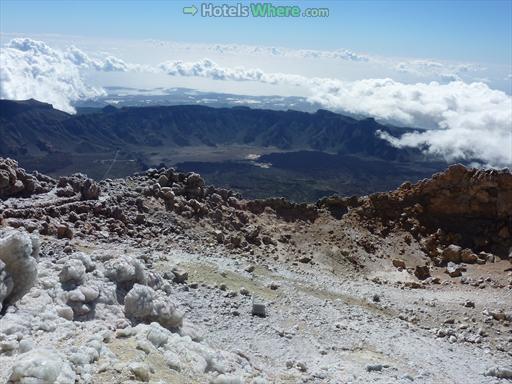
{"points": [[253, 10]]}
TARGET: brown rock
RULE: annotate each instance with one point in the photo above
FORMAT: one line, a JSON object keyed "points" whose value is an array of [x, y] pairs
{"points": [[64, 232], [90, 190], [163, 180], [167, 194], [305, 259], [422, 272], [16, 182], [452, 253], [467, 256]]}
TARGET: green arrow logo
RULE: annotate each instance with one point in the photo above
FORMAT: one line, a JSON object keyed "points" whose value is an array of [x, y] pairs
{"points": [[190, 10]]}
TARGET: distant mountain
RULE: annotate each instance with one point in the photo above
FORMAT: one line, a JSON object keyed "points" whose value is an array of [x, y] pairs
{"points": [[134, 97], [31, 128]]}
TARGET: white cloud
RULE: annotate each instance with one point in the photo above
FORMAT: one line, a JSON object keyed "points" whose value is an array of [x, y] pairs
{"points": [[466, 121], [421, 68], [79, 58], [114, 64], [471, 121], [445, 72], [107, 64], [32, 69], [208, 69], [256, 50]]}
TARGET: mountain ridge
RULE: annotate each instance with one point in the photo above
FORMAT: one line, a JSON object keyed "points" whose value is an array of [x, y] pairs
{"points": [[313, 154], [37, 127]]}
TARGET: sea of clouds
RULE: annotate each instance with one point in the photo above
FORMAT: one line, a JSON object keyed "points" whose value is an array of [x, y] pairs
{"points": [[32, 69], [468, 121]]}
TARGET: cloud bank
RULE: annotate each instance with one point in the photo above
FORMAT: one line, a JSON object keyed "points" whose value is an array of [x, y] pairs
{"points": [[207, 68], [266, 51], [466, 121], [32, 69], [445, 72], [421, 69], [469, 121]]}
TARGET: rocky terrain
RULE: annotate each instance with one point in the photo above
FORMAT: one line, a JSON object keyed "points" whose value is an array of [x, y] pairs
{"points": [[160, 278]]}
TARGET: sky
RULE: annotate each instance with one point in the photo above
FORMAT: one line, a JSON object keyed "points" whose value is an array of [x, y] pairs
{"points": [[454, 30], [441, 65]]}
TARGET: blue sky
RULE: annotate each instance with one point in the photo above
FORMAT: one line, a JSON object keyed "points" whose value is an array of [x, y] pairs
{"points": [[451, 30]]}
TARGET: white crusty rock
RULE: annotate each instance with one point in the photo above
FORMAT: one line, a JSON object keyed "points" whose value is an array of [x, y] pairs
{"points": [[143, 304], [6, 283], [125, 270], [227, 379], [191, 330], [72, 272], [41, 366], [18, 265], [172, 360], [500, 372], [140, 370], [185, 355], [86, 260]]}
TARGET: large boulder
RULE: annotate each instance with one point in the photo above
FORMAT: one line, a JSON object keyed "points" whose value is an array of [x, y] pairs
{"points": [[194, 180], [41, 366], [467, 256], [452, 253], [16, 182], [89, 190], [73, 272], [125, 271], [79, 183], [18, 265], [145, 305]]}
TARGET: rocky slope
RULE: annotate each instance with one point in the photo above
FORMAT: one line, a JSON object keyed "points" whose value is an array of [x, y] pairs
{"points": [[160, 278]]}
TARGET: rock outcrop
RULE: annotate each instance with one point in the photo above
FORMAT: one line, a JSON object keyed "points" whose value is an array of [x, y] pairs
{"points": [[143, 304], [16, 182], [41, 366], [78, 184], [18, 265], [470, 208]]}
